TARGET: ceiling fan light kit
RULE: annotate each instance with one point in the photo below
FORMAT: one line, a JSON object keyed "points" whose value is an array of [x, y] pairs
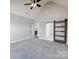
{"points": [[34, 3]]}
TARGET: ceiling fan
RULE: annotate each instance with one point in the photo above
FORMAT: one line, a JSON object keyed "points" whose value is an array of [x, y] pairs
{"points": [[34, 3]]}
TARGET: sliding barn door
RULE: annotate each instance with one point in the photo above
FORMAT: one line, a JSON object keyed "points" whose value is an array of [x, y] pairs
{"points": [[60, 31]]}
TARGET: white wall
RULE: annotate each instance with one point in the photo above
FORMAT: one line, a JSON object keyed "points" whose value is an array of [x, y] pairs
{"points": [[20, 28], [49, 13]]}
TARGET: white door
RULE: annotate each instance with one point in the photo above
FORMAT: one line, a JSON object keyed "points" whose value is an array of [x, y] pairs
{"points": [[49, 31]]}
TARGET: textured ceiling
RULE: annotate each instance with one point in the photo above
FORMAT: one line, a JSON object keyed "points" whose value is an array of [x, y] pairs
{"points": [[17, 7]]}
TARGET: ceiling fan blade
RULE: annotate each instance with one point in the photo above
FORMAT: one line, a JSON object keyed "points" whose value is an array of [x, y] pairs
{"points": [[27, 4], [38, 5], [35, 1], [32, 1], [38, 0], [31, 8]]}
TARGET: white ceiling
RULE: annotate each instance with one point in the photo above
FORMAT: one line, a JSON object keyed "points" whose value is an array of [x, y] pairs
{"points": [[17, 7]]}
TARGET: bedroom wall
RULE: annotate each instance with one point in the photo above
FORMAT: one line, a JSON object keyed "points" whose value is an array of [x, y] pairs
{"points": [[49, 13], [20, 28]]}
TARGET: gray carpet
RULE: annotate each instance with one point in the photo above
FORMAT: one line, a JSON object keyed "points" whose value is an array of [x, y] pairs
{"points": [[38, 49]]}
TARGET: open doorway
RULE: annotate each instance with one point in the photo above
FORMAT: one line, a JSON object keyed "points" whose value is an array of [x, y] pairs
{"points": [[36, 31], [49, 31]]}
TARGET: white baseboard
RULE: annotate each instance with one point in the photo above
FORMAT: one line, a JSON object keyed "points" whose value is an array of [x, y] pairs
{"points": [[15, 41]]}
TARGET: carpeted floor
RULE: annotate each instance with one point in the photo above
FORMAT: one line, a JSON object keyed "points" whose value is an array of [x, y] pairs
{"points": [[38, 49]]}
